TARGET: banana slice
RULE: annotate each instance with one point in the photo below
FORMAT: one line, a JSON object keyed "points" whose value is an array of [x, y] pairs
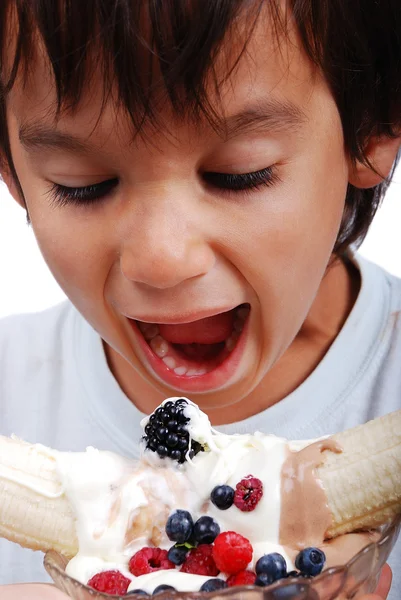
{"points": [[362, 484], [34, 511]]}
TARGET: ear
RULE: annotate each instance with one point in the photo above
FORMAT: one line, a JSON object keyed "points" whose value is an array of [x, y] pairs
{"points": [[381, 152], [12, 186]]}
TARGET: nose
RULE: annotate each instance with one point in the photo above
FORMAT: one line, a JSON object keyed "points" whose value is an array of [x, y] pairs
{"points": [[165, 248]]}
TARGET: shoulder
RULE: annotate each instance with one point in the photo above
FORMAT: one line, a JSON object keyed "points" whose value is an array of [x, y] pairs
{"points": [[35, 361], [38, 327], [381, 280], [32, 339]]}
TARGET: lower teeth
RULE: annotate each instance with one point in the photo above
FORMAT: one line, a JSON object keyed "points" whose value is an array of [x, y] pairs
{"points": [[161, 347]]}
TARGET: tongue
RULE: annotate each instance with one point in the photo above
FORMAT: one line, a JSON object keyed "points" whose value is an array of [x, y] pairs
{"points": [[211, 330]]}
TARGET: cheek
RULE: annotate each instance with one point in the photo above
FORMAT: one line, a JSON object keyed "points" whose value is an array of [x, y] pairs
{"points": [[78, 251], [288, 234]]}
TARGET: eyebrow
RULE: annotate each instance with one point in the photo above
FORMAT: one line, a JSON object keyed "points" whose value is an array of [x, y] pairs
{"points": [[266, 115]]}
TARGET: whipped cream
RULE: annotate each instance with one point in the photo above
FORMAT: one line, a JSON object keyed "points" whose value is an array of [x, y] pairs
{"points": [[122, 506]]}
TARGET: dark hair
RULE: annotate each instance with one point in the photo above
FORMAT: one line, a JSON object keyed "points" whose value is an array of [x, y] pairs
{"points": [[355, 43]]}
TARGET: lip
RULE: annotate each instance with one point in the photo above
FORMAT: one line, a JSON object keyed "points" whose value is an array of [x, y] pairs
{"points": [[196, 383], [189, 317]]}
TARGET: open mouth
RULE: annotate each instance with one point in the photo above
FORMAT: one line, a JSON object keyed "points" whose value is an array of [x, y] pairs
{"points": [[193, 350]]}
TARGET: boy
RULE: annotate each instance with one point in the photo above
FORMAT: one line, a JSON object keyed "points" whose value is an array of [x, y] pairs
{"points": [[196, 174]]}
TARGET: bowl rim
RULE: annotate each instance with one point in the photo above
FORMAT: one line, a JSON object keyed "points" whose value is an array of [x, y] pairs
{"points": [[52, 559]]}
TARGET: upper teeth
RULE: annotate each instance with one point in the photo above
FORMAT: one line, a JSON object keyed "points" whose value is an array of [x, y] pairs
{"points": [[160, 346], [149, 330]]}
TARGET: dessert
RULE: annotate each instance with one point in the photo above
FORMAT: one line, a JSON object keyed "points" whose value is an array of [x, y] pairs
{"points": [[202, 510]]}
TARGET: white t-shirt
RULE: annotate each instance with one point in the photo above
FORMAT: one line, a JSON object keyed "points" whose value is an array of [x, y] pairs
{"points": [[56, 389]]}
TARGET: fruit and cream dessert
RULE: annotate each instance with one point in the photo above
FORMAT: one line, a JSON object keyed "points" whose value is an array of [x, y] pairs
{"points": [[201, 510]]}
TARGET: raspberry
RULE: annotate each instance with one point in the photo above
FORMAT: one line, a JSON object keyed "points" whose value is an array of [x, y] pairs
{"points": [[200, 561], [248, 492], [241, 578], [232, 552], [110, 582], [148, 560]]}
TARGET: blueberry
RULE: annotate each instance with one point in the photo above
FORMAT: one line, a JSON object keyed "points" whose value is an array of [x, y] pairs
{"points": [[213, 584], [177, 554], [222, 496], [293, 590], [206, 530], [179, 526], [273, 565], [310, 561], [139, 592], [162, 588], [263, 580]]}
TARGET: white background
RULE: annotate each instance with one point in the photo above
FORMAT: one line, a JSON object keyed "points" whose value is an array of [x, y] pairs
{"points": [[27, 285]]}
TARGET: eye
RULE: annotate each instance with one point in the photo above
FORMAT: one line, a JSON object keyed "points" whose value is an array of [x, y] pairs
{"points": [[89, 194], [232, 182]]}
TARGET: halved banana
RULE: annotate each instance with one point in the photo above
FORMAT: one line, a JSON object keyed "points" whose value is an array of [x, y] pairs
{"points": [[362, 484]]}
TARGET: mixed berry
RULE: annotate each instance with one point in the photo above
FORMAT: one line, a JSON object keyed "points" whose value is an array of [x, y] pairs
{"points": [[201, 549], [222, 496], [179, 526], [211, 585], [177, 554], [310, 561], [149, 560], [241, 578], [110, 582], [199, 546], [248, 493], [206, 530], [224, 560], [166, 432], [201, 561]]}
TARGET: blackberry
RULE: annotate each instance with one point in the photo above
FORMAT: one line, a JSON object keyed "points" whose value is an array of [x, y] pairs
{"points": [[166, 432]]}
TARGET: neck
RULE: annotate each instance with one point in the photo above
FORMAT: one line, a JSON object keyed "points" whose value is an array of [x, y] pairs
{"points": [[334, 301]]}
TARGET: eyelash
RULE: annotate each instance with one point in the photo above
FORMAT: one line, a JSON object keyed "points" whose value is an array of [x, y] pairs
{"points": [[227, 183], [88, 194]]}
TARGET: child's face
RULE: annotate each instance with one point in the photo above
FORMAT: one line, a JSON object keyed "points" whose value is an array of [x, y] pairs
{"points": [[167, 244]]}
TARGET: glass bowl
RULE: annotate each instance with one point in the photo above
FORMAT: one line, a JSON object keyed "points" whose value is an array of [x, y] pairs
{"points": [[359, 576]]}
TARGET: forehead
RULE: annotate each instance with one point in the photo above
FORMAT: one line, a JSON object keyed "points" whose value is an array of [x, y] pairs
{"points": [[272, 74]]}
